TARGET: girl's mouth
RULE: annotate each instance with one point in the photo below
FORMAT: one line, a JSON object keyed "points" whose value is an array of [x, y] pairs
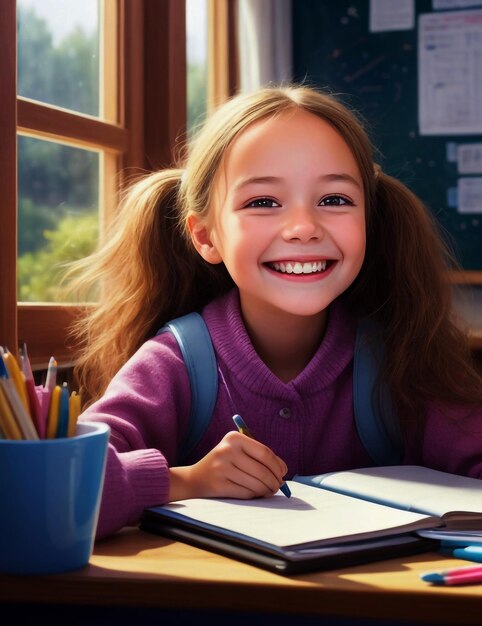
{"points": [[297, 267]]}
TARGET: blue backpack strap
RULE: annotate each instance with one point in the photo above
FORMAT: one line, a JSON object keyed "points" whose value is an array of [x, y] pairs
{"points": [[376, 421], [198, 353]]}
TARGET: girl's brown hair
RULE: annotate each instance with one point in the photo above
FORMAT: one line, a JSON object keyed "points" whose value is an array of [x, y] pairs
{"points": [[149, 271]]}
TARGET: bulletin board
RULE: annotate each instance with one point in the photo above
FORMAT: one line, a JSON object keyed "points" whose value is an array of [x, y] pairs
{"points": [[421, 111]]}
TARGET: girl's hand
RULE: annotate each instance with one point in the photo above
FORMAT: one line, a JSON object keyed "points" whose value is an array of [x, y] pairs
{"points": [[238, 467]]}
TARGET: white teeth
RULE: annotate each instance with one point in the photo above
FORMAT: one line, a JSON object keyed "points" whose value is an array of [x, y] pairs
{"points": [[296, 267]]}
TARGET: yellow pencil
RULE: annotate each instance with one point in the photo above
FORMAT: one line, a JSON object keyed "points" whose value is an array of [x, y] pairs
{"points": [[53, 417], [74, 412], [18, 378], [7, 420], [23, 419]]}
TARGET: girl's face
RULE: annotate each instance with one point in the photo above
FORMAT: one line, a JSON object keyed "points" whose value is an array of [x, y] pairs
{"points": [[288, 217]]}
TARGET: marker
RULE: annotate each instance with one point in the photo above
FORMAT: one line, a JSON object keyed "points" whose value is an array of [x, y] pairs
{"points": [[470, 553], [242, 428], [455, 576]]}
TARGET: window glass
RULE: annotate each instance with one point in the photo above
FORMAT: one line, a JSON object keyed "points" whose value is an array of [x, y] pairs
{"points": [[197, 79], [58, 217], [58, 53]]}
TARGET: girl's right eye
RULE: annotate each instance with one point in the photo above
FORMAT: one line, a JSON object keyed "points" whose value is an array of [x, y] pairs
{"points": [[262, 203]]}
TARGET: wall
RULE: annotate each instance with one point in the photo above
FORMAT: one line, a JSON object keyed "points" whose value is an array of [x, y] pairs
{"points": [[378, 74]]}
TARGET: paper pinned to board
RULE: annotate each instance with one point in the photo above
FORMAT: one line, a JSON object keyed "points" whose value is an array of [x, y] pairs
{"points": [[450, 73]]}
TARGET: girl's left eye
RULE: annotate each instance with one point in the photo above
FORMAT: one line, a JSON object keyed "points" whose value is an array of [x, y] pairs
{"points": [[335, 200], [262, 203]]}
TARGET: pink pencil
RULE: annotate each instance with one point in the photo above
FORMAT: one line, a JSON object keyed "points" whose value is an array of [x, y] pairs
{"points": [[33, 400], [43, 396]]}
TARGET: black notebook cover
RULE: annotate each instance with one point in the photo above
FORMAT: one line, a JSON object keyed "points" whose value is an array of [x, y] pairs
{"points": [[280, 561]]}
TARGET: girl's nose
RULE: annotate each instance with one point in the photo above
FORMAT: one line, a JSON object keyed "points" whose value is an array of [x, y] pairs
{"points": [[303, 224]]}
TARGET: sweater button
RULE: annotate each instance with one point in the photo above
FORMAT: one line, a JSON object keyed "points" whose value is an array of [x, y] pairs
{"points": [[285, 413]]}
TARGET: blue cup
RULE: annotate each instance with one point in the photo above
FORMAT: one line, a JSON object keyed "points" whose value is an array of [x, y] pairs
{"points": [[50, 492]]}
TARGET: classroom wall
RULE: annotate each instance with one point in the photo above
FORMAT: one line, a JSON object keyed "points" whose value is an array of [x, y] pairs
{"points": [[419, 88]]}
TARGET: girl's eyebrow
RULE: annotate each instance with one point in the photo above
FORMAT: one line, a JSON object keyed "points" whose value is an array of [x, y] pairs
{"points": [[343, 177], [260, 180], [256, 180]]}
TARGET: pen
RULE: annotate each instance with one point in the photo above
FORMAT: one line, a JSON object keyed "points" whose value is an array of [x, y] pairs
{"points": [[470, 553], [455, 576], [242, 428]]}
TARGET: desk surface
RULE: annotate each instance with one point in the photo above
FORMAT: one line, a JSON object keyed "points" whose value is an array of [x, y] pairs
{"points": [[138, 569]]}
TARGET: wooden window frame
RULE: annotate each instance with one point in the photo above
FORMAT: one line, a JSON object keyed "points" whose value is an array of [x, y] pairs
{"points": [[223, 70], [150, 70]]}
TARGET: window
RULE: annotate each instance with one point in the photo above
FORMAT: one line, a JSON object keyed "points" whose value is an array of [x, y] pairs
{"points": [[98, 97], [65, 36], [58, 184]]}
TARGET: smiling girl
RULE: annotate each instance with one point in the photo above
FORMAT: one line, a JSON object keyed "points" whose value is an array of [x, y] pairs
{"points": [[282, 232]]}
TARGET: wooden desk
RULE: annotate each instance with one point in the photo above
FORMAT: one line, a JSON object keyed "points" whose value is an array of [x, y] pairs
{"points": [[166, 578]]}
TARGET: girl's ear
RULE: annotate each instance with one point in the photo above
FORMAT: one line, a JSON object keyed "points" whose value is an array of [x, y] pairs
{"points": [[201, 239]]}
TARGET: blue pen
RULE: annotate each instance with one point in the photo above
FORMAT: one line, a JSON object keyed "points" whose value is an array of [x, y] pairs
{"points": [[470, 553], [241, 426]]}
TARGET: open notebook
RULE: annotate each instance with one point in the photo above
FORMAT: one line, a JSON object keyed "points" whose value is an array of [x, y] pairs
{"points": [[330, 520]]}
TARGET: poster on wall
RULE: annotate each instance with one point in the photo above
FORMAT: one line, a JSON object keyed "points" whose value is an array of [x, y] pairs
{"points": [[450, 73]]}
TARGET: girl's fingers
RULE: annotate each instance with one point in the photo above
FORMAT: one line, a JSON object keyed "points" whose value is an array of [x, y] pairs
{"points": [[246, 487], [238, 467], [259, 452], [255, 475], [256, 466]]}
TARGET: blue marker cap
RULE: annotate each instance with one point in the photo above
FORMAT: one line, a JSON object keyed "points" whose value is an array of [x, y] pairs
{"points": [[432, 577], [470, 553]]}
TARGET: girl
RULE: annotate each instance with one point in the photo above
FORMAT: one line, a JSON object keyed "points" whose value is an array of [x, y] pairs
{"points": [[281, 229]]}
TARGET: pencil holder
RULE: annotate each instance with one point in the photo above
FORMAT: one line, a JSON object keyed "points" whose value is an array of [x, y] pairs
{"points": [[50, 490]]}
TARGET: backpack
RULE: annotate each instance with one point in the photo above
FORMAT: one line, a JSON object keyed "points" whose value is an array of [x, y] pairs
{"points": [[376, 421]]}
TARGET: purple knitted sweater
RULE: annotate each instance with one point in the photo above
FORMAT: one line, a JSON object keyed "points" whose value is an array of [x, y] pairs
{"points": [[308, 422]]}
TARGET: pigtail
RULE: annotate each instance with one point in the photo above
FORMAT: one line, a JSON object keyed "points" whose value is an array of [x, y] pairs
{"points": [[404, 284], [146, 274]]}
